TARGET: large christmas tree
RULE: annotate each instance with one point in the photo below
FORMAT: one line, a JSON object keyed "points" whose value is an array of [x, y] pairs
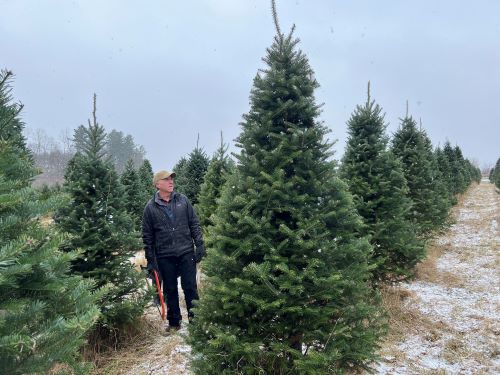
{"points": [[377, 182], [44, 312], [102, 230], [287, 289]]}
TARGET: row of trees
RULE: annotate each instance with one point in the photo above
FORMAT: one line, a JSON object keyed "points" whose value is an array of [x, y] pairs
{"points": [[62, 282], [297, 245], [495, 174], [46, 310]]}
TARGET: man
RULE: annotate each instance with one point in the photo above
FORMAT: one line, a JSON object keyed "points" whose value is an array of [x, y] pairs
{"points": [[170, 228]]}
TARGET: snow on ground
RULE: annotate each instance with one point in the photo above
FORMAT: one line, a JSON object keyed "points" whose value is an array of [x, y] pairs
{"points": [[464, 304]]}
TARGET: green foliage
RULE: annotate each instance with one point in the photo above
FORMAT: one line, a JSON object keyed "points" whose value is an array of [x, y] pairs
{"points": [[444, 167], [190, 174], [133, 194], [217, 173], [101, 229], [181, 178], [495, 174], [44, 312], [287, 288], [145, 173], [379, 188], [458, 183], [458, 171], [413, 147]]}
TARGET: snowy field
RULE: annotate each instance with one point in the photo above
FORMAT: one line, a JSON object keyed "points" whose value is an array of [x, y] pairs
{"points": [[452, 311], [462, 301]]}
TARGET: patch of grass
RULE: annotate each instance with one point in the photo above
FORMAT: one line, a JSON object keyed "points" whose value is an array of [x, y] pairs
{"points": [[111, 355]]}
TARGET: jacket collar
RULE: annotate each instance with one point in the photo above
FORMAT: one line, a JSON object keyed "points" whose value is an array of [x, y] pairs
{"points": [[160, 201]]}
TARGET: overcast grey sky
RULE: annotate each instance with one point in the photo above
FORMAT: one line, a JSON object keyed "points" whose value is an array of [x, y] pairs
{"points": [[165, 71]]}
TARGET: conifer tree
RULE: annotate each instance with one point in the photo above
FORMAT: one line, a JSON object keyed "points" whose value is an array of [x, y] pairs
{"points": [[287, 275], [457, 178], [102, 230], [377, 182], [217, 173], [133, 195], [181, 178], [145, 173], [495, 174], [441, 202], [445, 170], [190, 173], [412, 146], [44, 312]]}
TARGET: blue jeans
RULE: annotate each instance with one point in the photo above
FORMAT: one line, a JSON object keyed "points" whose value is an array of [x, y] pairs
{"points": [[185, 267]]}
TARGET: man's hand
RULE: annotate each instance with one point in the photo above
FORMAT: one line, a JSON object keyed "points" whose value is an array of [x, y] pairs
{"points": [[151, 271], [200, 253]]}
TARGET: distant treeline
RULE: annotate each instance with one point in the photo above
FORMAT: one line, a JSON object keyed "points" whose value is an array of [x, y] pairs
{"points": [[52, 155]]}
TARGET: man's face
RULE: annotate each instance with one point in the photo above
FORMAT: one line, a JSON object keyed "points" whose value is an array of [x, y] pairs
{"points": [[166, 185]]}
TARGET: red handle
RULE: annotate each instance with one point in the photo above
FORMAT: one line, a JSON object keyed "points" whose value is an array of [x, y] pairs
{"points": [[160, 294]]}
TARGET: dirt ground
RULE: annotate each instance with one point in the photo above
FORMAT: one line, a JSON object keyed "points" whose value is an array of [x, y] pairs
{"points": [[447, 321]]}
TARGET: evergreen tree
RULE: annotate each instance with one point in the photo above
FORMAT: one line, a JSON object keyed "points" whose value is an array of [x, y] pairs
{"points": [[79, 139], [11, 125], [287, 275], [457, 178], [102, 230], [495, 174], [181, 178], [190, 173], [441, 202], [412, 146], [45, 312], [473, 171], [377, 182], [132, 194], [217, 173], [145, 174], [445, 170]]}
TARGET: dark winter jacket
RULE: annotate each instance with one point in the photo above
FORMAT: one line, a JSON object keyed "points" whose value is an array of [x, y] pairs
{"points": [[170, 233]]}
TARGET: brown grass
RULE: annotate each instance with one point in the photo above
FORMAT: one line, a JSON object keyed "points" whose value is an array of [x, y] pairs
{"points": [[114, 355], [427, 269]]}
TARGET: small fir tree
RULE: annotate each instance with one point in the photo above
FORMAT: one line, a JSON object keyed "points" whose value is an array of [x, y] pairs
{"points": [[495, 174], [441, 202], [457, 177], [217, 173], [377, 182], [287, 275], [181, 178], [190, 173], [45, 312], [100, 227], [445, 171], [133, 194], [145, 173], [412, 146]]}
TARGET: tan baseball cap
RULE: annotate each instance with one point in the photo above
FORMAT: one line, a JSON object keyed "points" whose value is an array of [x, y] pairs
{"points": [[161, 175]]}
